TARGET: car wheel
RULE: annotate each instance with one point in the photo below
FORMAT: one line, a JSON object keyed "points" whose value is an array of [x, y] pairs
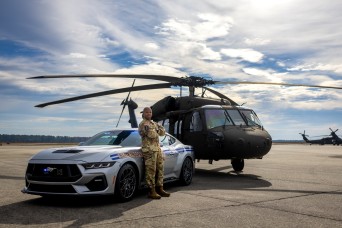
{"points": [[187, 172], [126, 183]]}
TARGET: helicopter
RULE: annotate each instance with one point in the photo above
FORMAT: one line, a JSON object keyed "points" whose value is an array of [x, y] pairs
{"points": [[335, 139], [322, 141], [217, 128]]}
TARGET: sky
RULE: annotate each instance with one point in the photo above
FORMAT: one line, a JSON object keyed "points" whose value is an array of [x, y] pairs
{"points": [[248, 40]]}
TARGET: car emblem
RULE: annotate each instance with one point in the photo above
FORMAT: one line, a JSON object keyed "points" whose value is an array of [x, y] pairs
{"points": [[48, 170]]}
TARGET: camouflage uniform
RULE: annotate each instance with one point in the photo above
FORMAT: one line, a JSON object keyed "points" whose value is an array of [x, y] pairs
{"points": [[153, 156]]}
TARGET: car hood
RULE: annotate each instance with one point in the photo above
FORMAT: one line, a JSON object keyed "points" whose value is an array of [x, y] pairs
{"points": [[80, 153]]}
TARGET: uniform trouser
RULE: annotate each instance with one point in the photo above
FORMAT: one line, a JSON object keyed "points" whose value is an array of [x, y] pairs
{"points": [[154, 168]]}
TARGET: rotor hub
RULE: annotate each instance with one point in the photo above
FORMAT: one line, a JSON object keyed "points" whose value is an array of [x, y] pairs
{"points": [[193, 81]]}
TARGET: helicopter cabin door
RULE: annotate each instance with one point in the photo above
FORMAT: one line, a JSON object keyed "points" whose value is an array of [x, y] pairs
{"points": [[193, 133]]}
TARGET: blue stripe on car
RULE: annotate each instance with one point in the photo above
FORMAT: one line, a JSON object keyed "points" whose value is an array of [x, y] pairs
{"points": [[114, 156]]}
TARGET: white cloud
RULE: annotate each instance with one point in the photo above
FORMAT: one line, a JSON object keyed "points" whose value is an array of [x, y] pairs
{"points": [[77, 56], [245, 54], [153, 46], [323, 67], [268, 75], [256, 41], [208, 26]]}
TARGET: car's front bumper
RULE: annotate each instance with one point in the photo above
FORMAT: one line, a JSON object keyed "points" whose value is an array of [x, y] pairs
{"points": [[81, 182]]}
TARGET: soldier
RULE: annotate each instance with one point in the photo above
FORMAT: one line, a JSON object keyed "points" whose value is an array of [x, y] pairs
{"points": [[153, 156]]}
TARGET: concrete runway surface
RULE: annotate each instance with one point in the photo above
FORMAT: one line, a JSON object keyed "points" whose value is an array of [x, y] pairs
{"points": [[293, 186]]}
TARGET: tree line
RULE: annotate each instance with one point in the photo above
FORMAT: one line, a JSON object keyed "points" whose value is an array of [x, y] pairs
{"points": [[5, 138]]}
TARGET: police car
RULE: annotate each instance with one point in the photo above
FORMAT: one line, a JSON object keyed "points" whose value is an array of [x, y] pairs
{"points": [[110, 162]]}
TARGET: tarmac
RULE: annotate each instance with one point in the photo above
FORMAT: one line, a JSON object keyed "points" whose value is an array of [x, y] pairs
{"points": [[295, 185]]}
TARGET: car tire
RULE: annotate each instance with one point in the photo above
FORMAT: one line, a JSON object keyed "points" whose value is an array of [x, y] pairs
{"points": [[126, 183], [187, 171]]}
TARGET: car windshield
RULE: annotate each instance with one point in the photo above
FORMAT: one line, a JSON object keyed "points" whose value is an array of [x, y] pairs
{"points": [[124, 138]]}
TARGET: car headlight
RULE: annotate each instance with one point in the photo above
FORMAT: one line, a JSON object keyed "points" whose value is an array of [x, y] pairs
{"points": [[98, 165]]}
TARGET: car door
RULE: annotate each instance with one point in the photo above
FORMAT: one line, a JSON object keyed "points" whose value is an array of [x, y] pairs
{"points": [[170, 155]]}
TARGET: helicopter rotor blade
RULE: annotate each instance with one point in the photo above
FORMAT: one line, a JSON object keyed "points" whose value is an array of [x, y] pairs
{"points": [[220, 95], [276, 83], [125, 103], [108, 92], [140, 76], [303, 134], [183, 81], [321, 136]]}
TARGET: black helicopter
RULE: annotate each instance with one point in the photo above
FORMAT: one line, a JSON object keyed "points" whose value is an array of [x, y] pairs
{"points": [[331, 139], [322, 141], [217, 128]]}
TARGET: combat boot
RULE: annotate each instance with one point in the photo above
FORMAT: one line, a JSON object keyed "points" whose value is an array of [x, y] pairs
{"points": [[161, 192], [153, 194]]}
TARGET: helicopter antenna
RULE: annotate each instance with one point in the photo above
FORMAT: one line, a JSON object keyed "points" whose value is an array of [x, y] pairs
{"points": [[124, 103]]}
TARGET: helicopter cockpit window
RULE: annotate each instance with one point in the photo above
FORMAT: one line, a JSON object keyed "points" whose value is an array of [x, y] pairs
{"points": [[236, 117], [251, 117], [216, 118], [196, 122]]}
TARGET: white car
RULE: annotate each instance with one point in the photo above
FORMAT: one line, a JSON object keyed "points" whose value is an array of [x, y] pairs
{"points": [[110, 162]]}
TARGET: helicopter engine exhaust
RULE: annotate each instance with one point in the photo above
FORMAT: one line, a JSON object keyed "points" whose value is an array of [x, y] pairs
{"points": [[163, 106]]}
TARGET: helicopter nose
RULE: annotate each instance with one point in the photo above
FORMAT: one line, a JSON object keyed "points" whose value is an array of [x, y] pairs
{"points": [[268, 142], [248, 144]]}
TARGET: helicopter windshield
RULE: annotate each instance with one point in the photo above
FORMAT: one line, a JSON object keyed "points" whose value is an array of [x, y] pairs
{"points": [[251, 117], [236, 117], [216, 118], [124, 138]]}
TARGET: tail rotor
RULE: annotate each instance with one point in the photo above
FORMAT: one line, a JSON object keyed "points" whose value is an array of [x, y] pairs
{"points": [[124, 103]]}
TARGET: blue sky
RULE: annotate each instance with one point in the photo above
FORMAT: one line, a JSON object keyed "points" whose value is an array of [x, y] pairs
{"points": [[272, 41]]}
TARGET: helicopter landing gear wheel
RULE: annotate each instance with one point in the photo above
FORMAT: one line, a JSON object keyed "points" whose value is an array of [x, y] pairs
{"points": [[238, 164]]}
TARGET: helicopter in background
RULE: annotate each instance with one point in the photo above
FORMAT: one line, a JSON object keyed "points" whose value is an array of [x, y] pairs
{"points": [[322, 141], [331, 139], [217, 128]]}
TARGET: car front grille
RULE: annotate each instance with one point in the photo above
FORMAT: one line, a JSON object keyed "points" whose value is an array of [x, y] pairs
{"points": [[51, 188], [53, 173]]}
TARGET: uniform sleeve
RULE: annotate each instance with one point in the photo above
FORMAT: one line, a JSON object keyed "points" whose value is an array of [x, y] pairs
{"points": [[142, 130], [161, 130]]}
